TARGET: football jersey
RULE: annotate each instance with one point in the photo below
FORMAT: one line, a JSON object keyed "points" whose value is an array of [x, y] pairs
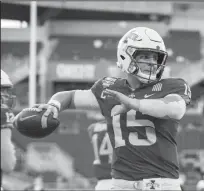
{"points": [[6, 118], [144, 146], [102, 150]]}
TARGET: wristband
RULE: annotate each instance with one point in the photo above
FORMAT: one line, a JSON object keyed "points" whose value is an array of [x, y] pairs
{"points": [[55, 103]]}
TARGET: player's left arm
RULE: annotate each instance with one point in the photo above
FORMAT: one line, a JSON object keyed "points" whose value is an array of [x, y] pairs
{"points": [[171, 106]]}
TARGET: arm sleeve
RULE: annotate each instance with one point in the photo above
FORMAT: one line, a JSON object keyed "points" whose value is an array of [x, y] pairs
{"points": [[170, 107]]}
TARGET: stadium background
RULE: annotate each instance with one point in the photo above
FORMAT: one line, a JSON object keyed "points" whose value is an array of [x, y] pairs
{"points": [[76, 45]]}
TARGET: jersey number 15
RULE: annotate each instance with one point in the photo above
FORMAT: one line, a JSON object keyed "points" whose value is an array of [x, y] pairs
{"points": [[133, 137]]}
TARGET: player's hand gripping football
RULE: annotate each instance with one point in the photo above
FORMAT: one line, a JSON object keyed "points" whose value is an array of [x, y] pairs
{"points": [[123, 99], [49, 109]]}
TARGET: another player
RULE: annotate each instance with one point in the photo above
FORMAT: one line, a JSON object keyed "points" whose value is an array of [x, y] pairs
{"points": [[103, 154], [144, 151], [8, 157]]}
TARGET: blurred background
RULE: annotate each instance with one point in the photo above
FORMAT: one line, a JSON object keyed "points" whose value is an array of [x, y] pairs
{"points": [[75, 43]]}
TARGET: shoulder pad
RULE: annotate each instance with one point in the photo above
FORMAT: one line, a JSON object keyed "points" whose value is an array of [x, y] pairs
{"points": [[172, 83]]}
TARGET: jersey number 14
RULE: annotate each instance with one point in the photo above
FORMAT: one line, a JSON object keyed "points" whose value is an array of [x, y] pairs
{"points": [[102, 149]]}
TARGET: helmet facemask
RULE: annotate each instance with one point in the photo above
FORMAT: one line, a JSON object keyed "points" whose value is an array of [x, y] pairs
{"points": [[146, 71]]}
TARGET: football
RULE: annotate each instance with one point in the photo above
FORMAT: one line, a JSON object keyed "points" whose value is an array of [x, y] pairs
{"points": [[30, 123]]}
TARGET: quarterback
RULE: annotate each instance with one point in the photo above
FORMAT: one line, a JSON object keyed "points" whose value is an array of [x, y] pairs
{"points": [[142, 113], [103, 154], [8, 158]]}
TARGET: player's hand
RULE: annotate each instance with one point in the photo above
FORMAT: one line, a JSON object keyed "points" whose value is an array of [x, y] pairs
{"points": [[119, 109], [50, 109], [123, 99]]}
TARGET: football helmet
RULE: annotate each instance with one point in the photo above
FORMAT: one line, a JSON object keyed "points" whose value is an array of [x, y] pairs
{"points": [[7, 97], [135, 42]]}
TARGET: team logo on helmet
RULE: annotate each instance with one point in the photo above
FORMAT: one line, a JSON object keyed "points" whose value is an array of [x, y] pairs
{"points": [[133, 36]]}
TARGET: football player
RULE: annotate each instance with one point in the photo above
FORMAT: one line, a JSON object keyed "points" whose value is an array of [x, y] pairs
{"points": [[8, 157], [103, 154], [142, 112]]}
